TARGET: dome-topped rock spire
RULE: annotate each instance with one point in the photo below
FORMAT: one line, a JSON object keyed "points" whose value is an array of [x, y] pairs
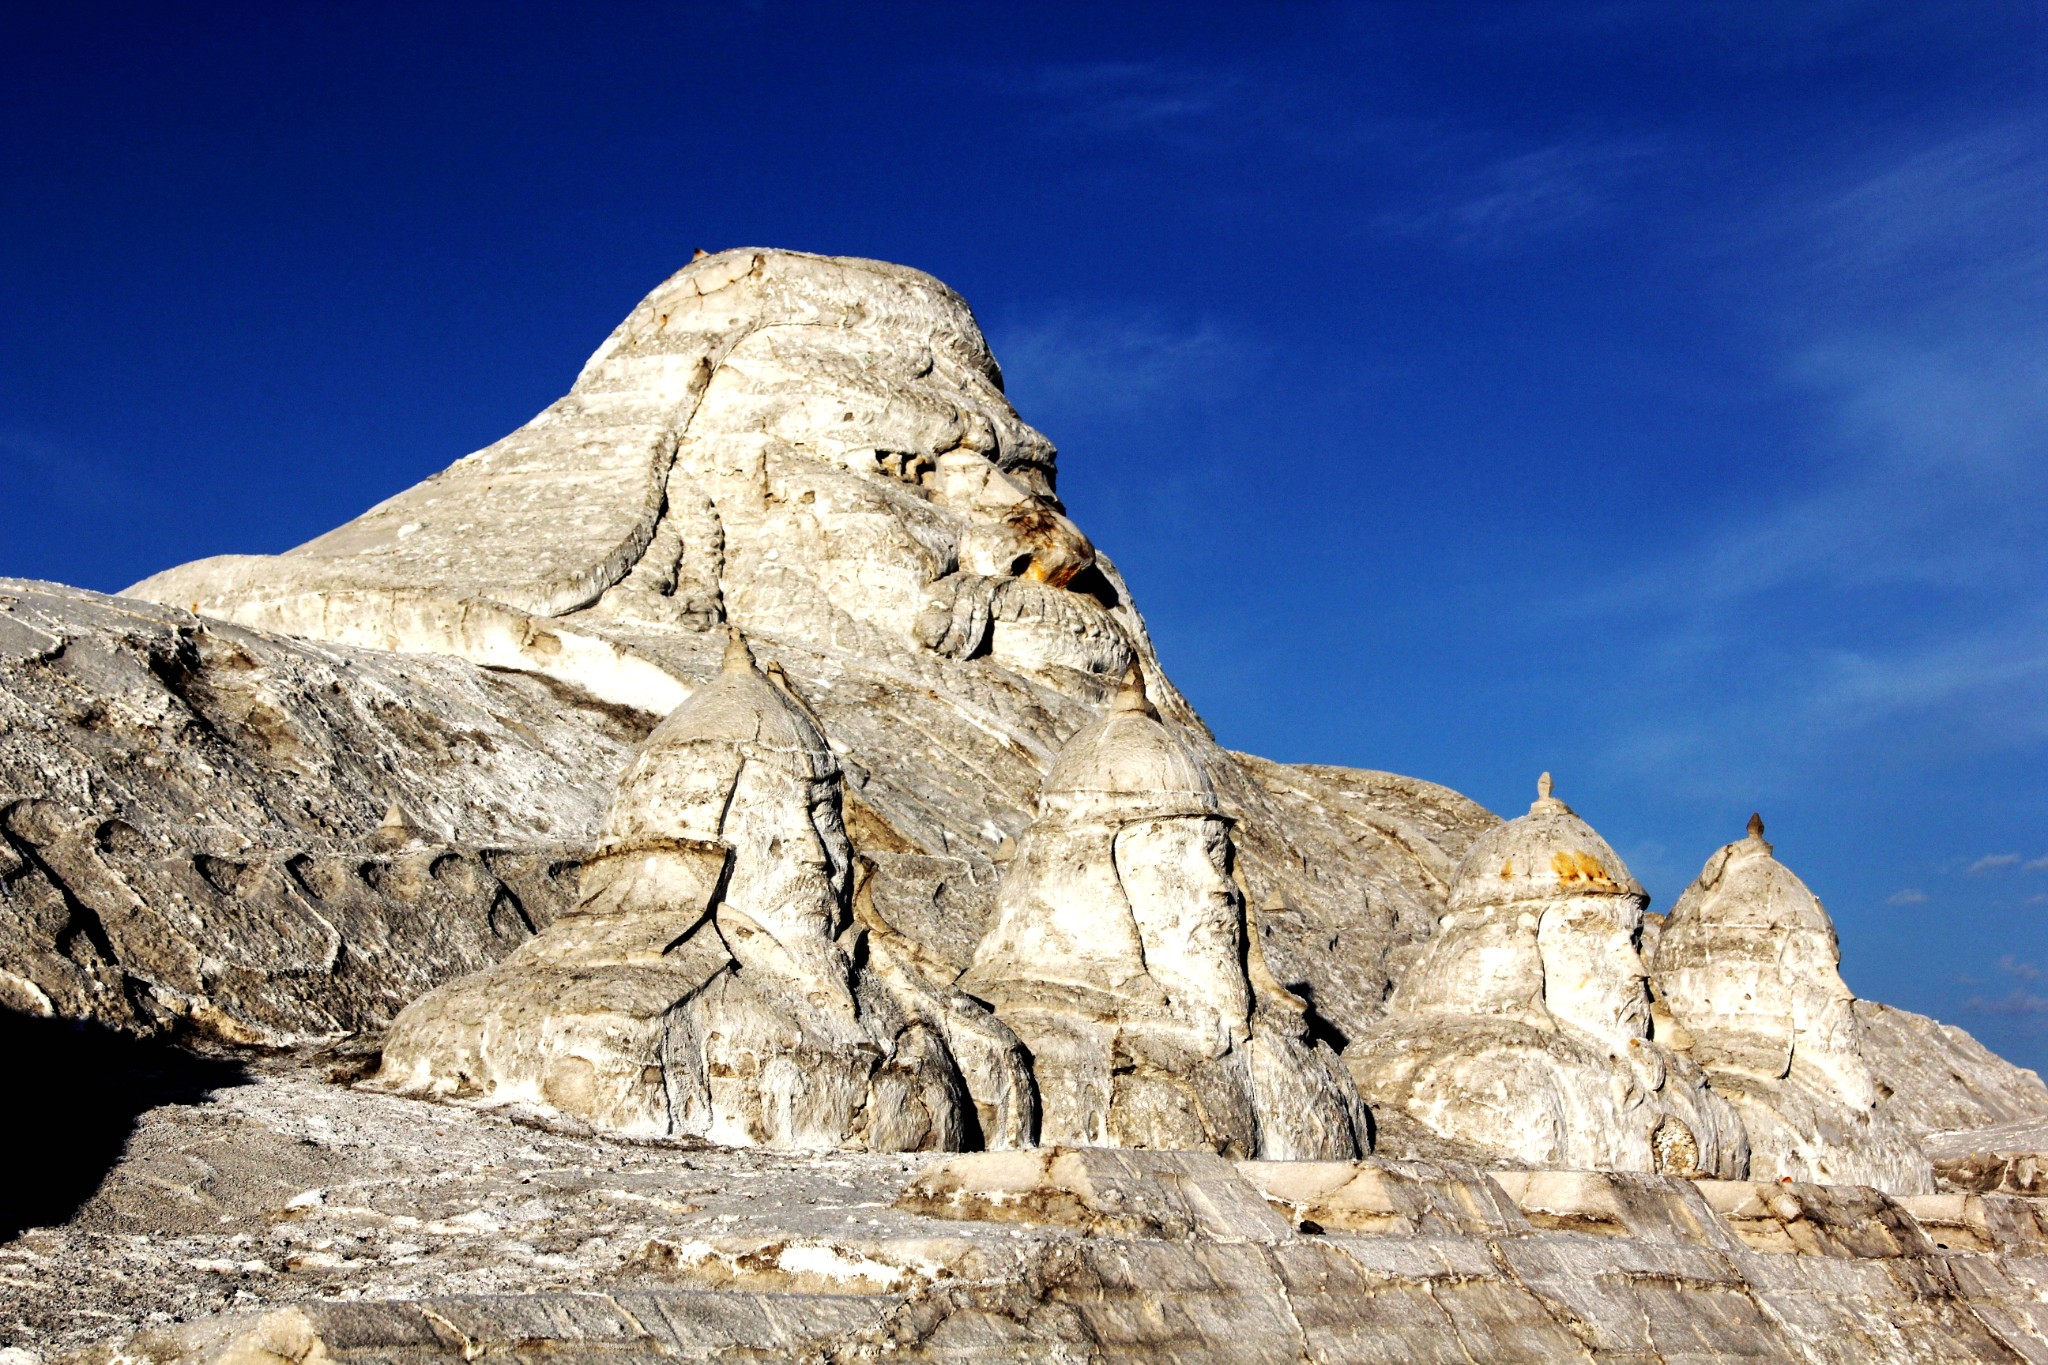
{"points": [[738, 658], [1128, 759], [1131, 697], [1540, 854], [1118, 953], [1749, 966], [701, 986], [1532, 988]]}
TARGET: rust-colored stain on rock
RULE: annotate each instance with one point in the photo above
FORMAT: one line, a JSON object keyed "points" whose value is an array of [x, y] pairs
{"points": [[1572, 866]]}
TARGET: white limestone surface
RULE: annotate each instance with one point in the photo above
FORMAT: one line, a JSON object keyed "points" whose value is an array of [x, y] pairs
{"points": [[1749, 967]]}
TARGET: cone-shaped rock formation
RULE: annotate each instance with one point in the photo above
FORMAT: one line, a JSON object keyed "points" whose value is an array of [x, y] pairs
{"points": [[1119, 955], [1750, 969], [702, 985], [1523, 1030]]}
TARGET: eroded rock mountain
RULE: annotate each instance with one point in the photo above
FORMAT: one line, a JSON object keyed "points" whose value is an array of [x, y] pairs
{"points": [[750, 750]]}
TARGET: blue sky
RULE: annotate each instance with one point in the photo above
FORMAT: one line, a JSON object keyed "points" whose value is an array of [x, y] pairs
{"points": [[1654, 394]]}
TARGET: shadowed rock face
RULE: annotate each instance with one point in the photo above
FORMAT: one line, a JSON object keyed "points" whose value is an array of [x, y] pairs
{"points": [[1749, 967]]}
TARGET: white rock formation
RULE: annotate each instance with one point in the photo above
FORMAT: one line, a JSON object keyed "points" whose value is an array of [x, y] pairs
{"points": [[703, 985], [818, 450], [779, 898], [756, 402], [1523, 1030], [1119, 955], [1749, 967]]}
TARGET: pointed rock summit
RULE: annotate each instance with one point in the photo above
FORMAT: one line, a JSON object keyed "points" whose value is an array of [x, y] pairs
{"points": [[1748, 965]]}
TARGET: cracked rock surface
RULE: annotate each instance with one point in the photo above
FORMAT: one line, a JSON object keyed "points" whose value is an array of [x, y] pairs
{"points": [[765, 815], [287, 1212]]}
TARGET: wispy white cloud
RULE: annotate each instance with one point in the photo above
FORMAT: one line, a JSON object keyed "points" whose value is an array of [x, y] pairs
{"points": [[1907, 896], [2013, 966], [1893, 567], [1501, 202], [1124, 97], [61, 473], [2018, 1001], [1931, 222], [2036, 865], [1994, 862], [1074, 359]]}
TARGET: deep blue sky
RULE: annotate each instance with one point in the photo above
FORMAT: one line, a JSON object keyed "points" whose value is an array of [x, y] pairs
{"points": [[1653, 393]]}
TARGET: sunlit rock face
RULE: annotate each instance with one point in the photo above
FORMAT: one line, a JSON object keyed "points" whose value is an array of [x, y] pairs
{"points": [[818, 450], [703, 986], [813, 446], [1118, 953], [1749, 967], [911, 818], [1524, 1027]]}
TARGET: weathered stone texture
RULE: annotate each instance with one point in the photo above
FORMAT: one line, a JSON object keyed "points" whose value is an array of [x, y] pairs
{"points": [[190, 820], [1523, 1027], [919, 849], [383, 1228], [703, 985], [1749, 969]]}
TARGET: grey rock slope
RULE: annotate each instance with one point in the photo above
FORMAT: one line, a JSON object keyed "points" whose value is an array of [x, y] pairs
{"points": [[272, 802], [288, 1219], [192, 819]]}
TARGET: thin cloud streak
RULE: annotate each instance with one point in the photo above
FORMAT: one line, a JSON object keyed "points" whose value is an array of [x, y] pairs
{"points": [[1125, 97], [1525, 198], [1915, 333], [1073, 360]]}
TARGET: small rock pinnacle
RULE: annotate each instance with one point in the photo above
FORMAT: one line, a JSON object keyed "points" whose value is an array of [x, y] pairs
{"points": [[1756, 826], [394, 831], [738, 658], [1130, 696], [1543, 787]]}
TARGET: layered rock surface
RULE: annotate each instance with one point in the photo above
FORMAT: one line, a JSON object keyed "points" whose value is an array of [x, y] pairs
{"points": [[1118, 952], [279, 799], [289, 1219], [1749, 969], [702, 985], [1523, 1029]]}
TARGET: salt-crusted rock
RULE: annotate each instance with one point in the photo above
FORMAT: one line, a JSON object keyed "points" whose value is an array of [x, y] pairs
{"points": [[1749, 967], [755, 402], [189, 820], [389, 758], [703, 986], [291, 1220], [1523, 1030], [818, 449], [1119, 955]]}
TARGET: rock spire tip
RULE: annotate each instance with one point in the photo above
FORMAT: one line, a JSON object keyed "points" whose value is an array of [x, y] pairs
{"points": [[738, 658], [1131, 695]]}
